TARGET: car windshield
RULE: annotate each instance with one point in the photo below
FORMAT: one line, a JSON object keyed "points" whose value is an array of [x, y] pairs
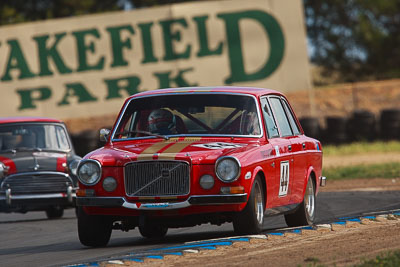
{"points": [[35, 136], [189, 114]]}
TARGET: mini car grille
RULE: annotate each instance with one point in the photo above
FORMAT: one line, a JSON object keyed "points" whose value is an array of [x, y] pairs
{"points": [[37, 183], [157, 178]]}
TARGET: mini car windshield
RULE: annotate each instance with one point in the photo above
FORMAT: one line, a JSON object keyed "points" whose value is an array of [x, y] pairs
{"points": [[33, 137], [190, 114]]}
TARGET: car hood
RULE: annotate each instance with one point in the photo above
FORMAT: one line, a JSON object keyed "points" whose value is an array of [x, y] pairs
{"points": [[194, 150], [27, 161]]}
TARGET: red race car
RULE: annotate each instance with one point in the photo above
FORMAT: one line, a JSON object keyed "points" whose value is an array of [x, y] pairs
{"points": [[186, 156]]}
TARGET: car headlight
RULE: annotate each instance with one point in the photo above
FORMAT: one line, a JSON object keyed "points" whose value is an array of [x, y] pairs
{"points": [[73, 166], [89, 172], [109, 184], [2, 170], [227, 169], [206, 181]]}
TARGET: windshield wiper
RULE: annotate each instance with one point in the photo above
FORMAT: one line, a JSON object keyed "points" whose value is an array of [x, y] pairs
{"points": [[146, 133]]}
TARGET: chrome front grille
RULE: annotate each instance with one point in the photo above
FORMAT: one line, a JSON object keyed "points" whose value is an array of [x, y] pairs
{"points": [[157, 178], [37, 182]]}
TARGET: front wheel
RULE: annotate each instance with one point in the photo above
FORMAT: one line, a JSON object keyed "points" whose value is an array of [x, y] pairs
{"points": [[305, 213], [93, 231], [55, 212], [250, 220], [149, 230]]}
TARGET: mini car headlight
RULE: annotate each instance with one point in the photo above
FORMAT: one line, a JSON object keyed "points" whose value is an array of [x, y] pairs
{"points": [[109, 184], [89, 172], [2, 170], [206, 181], [227, 169], [73, 166]]}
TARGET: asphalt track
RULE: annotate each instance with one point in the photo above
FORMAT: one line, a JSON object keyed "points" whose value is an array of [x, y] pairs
{"points": [[32, 240]]}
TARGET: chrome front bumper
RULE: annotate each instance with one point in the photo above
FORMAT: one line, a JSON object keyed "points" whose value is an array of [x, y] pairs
{"points": [[191, 201], [9, 198]]}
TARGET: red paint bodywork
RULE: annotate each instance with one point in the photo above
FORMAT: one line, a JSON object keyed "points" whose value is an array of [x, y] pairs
{"points": [[27, 119], [256, 155]]}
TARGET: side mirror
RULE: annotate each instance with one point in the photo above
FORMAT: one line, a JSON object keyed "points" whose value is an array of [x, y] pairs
{"points": [[104, 133]]}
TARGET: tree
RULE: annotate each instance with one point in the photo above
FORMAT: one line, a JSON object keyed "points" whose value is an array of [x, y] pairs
{"points": [[359, 39], [16, 11]]}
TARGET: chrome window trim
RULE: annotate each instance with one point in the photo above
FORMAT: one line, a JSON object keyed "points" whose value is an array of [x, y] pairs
{"points": [[190, 135]]}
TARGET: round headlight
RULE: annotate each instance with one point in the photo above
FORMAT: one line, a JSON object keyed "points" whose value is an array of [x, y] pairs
{"points": [[227, 169], [109, 184], [89, 172], [73, 166], [206, 181], [2, 169]]}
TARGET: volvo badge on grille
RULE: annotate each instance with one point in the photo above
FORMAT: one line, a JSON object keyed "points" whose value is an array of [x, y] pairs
{"points": [[165, 173]]}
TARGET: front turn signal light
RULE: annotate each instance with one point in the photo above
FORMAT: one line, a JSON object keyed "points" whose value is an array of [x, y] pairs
{"points": [[232, 190]]}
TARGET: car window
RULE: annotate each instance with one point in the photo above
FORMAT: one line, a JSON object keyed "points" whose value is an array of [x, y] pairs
{"points": [[270, 124], [292, 120], [33, 136], [280, 116], [62, 139], [190, 114]]}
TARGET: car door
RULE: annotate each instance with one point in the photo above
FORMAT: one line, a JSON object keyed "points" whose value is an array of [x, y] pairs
{"points": [[280, 184], [299, 152]]}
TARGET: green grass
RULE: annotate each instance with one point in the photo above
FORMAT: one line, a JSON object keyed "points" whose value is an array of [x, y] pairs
{"points": [[362, 148], [389, 259], [384, 170]]}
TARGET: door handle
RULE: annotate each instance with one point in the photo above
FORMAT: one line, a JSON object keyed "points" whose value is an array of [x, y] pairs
{"points": [[290, 147]]}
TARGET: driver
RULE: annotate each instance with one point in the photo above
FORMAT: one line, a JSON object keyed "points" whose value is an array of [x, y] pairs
{"points": [[162, 121]]}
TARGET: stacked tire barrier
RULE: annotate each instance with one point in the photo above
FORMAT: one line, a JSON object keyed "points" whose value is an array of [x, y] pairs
{"points": [[361, 125], [85, 141], [335, 130], [390, 124], [311, 127]]}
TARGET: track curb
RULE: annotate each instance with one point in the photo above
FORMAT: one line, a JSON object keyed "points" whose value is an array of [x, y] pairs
{"points": [[212, 244]]}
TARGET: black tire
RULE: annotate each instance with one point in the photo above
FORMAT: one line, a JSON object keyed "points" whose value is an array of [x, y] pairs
{"points": [[250, 220], [390, 124], [311, 127], [93, 231], [336, 130], [54, 212], [150, 230], [362, 126], [305, 213]]}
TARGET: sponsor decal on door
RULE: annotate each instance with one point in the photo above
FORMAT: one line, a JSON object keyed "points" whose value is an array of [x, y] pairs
{"points": [[284, 180]]}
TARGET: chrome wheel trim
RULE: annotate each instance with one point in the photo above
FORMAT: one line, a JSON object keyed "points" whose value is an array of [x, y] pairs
{"points": [[309, 199], [258, 203]]}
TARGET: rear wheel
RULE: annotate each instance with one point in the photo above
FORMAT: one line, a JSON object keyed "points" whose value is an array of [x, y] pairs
{"points": [[150, 230], [55, 212], [305, 213], [250, 220], [93, 231]]}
